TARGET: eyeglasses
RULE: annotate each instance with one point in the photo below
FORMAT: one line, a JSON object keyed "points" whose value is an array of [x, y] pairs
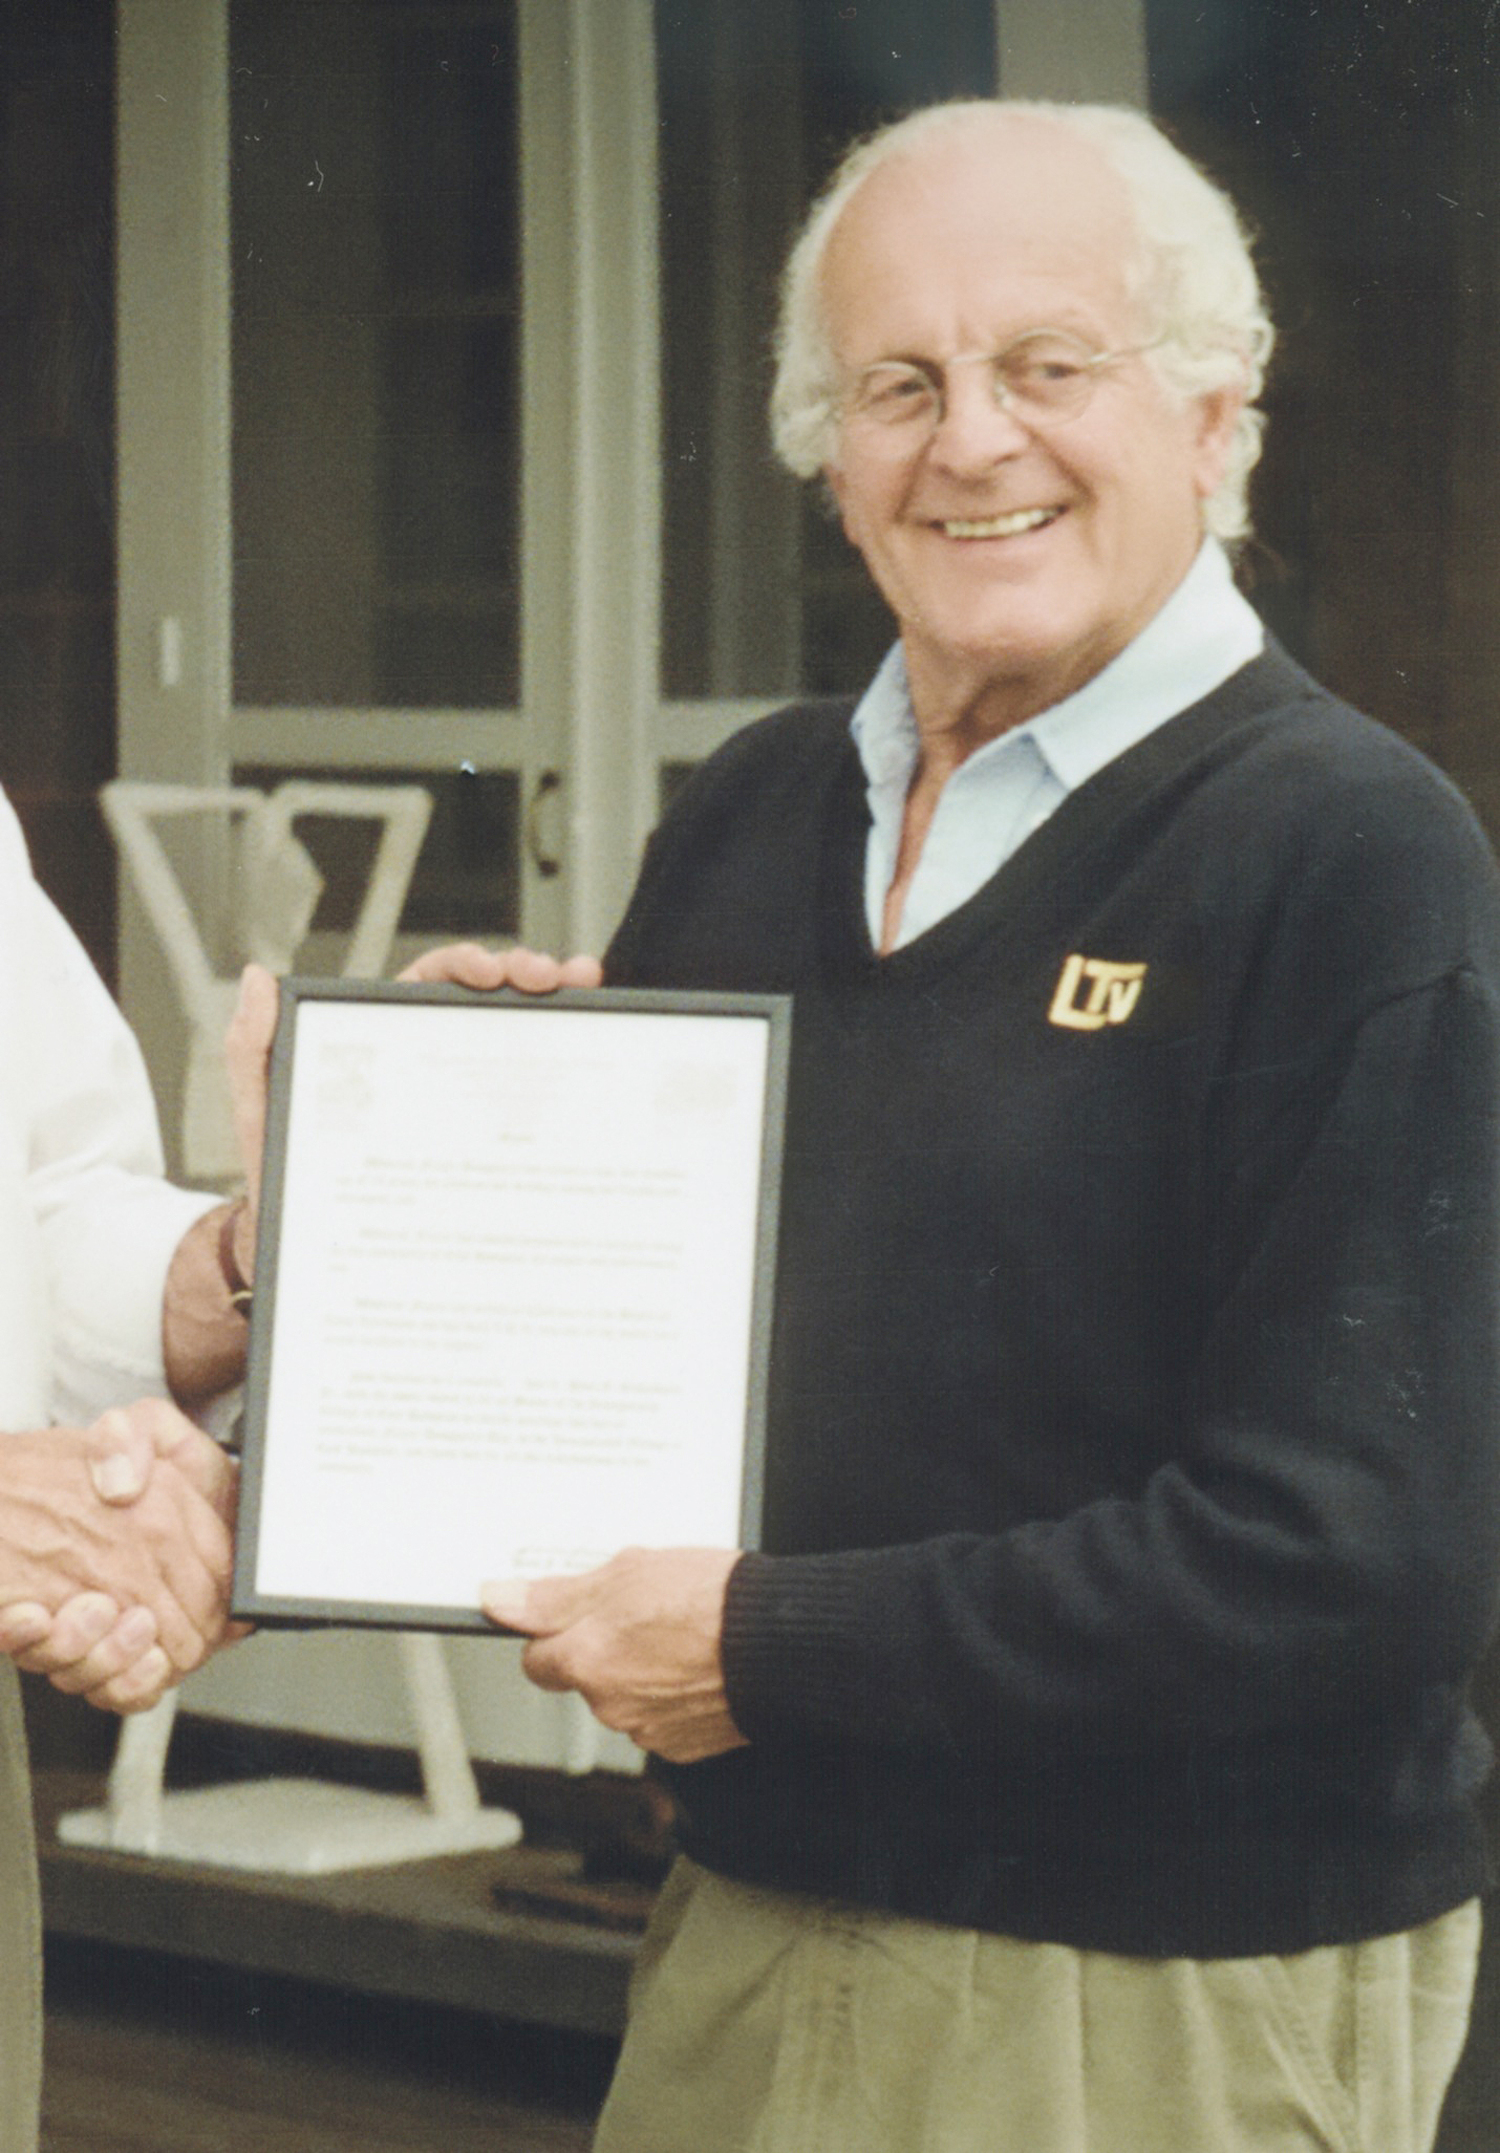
{"points": [[1042, 379]]}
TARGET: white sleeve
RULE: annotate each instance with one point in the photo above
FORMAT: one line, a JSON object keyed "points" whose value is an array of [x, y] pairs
{"points": [[106, 1221]]}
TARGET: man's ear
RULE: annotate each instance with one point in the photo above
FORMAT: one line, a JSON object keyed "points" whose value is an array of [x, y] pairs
{"points": [[1216, 416]]}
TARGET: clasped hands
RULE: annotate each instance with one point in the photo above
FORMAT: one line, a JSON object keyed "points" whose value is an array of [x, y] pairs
{"points": [[115, 1553]]}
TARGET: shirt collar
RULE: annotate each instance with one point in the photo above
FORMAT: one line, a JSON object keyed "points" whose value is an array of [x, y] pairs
{"points": [[1203, 633]]}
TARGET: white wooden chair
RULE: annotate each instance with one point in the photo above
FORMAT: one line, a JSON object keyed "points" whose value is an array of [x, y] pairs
{"points": [[274, 890]]}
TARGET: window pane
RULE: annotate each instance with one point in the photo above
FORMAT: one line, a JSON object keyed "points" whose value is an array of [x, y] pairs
{"points": [[762, 595], [375, 353]]}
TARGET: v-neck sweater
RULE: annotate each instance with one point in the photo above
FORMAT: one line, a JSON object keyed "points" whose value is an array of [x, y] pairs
{"points": [[1132, 1510]]}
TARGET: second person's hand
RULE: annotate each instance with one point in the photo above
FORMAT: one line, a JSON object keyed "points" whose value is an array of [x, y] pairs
{"points": [[531, 971]]}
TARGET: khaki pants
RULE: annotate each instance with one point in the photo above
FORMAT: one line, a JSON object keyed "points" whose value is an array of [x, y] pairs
{"points": [[762, 2023]]}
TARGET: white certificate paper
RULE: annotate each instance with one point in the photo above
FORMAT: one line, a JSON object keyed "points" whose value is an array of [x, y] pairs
{"points": [[513, 1292]]}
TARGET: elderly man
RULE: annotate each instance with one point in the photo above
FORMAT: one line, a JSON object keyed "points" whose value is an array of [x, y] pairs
{"points": [[1084, 1765], [114, 1539]]}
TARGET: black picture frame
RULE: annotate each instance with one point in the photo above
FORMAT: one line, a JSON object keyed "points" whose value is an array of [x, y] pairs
{"points": [[271, 1328]]}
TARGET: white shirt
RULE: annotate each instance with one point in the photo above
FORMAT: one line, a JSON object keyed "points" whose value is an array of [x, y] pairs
{"points": [[1006, 789], [87, 1226]]}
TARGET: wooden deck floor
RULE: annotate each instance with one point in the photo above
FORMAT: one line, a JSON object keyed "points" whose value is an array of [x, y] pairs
{"points": [[151, 2055]]}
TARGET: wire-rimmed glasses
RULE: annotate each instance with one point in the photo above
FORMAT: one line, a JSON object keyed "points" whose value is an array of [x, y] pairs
{"points": [[1043, 378]]}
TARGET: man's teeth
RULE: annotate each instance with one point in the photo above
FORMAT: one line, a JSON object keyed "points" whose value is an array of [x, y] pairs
{"points": [[1021, 519]]}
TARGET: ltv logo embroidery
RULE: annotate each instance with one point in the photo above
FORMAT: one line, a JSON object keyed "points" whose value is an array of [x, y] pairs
{"points": [[1091, 992]]}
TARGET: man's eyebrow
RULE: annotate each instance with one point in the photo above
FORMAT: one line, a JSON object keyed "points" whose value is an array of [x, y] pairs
{"points": [[1080, 332], [921, 360]]}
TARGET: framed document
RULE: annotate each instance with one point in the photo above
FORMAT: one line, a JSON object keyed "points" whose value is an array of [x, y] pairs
{"points": [[513, 1292]]}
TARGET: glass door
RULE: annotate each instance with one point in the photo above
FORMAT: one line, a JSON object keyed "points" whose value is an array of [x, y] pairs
{"points": [[375, 353]]}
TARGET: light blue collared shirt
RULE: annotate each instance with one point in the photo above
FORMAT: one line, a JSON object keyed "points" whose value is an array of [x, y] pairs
{"points": [[1005, 790]]}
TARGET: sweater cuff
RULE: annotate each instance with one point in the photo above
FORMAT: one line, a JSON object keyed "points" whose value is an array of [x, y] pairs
{"points": [[796, 1645]]}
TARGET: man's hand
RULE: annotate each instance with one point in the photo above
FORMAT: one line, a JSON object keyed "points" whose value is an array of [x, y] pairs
{"points": [[639, 1639], [469, 964], [115, 1553]]}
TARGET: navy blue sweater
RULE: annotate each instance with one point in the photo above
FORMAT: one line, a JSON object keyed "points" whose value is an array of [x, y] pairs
{"points": [[1133, 1512]]}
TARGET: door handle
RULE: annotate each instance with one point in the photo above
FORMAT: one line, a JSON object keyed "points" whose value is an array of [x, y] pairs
{"points": [[547, 864]]}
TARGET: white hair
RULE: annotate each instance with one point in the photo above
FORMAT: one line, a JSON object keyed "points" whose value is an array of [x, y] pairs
{"points": [[1194, 282]]}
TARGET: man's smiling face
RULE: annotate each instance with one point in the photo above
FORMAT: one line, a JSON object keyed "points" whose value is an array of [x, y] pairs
{"points": [[1018, 560]]}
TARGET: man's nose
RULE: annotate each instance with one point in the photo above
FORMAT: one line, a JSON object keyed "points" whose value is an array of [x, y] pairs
{"points": [[976, 428]]}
